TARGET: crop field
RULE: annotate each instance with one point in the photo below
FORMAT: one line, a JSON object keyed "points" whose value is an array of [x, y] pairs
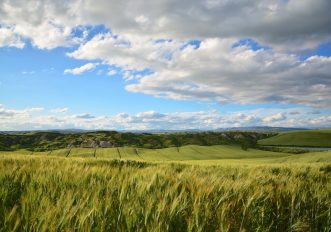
{"points": [[193, 188], [305, 138], [190, 152]]}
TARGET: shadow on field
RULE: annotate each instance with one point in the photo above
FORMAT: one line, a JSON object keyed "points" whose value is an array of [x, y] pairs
{"points": [[118, 163]]}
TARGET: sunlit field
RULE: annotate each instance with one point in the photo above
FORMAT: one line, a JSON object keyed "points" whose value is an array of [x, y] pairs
{"points": [[313, 138], [227, 190]]}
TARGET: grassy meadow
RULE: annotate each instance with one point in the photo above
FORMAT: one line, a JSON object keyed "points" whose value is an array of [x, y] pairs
{"points": [[304, 138], [193, 188]]}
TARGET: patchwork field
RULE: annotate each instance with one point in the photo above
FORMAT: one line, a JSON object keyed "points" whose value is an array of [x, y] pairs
{"points": [[193, 188]]}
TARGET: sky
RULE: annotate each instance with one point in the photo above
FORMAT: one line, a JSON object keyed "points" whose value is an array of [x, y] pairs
{"points": [[166, 64]]}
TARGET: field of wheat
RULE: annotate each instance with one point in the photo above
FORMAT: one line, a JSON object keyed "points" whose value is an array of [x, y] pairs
{"points": [[39, 193]]}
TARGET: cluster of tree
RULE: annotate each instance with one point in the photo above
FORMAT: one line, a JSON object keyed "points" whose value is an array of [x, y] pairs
{"points": [[43, 141]]}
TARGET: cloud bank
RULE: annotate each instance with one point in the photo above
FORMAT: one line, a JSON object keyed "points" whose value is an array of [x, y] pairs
{"points": [[216, 70], [37, 118], [295, 24]]}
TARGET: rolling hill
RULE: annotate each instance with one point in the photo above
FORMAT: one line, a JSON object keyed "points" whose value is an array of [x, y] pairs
{"points": [[211, 155], [306, 138], [47, 141]]}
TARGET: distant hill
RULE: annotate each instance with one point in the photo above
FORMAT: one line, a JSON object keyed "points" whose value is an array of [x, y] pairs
{"points": [[262, 129], [305, 138], [162, 131], [50, 140]]}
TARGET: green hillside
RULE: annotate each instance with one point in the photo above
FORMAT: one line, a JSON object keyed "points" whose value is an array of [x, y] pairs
{"points": [[190, 152], [311, 157], [193, 154], [48, 141], [307, 138]]}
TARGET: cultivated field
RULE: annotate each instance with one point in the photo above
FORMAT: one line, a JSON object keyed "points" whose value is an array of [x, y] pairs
{"points": [[193, 188], [190, 152], [305, 138]]}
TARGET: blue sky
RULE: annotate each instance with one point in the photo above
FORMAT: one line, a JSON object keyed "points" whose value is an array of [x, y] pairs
{"points": [[33, 77], [155, 70]]}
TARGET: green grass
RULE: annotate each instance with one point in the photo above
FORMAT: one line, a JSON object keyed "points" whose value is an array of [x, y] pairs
{"points": [[216, 188], [312, 157], [189, 152], [308, 138], [192, 154]]}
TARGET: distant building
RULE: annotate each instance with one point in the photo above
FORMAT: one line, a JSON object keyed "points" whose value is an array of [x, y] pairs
{"points": [[94, 144], [105, 144], [88, 144]]}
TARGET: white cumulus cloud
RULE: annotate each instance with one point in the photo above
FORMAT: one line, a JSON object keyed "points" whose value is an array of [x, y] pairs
{"points": [[274, 118], [8, 38], [294, 24], [81, 69], [29, 119], [215, 71]]}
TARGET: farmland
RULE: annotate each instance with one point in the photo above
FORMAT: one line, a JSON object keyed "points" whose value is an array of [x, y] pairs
{"points": [[214, 188], [306, 138], [224, 187], [190, 152]]}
